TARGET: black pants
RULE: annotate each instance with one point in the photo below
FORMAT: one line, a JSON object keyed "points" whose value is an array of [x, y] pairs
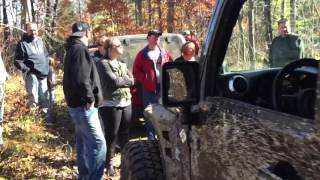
{"points": [[116, 122]]}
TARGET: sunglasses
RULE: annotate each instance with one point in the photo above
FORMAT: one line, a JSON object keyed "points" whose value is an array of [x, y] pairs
{"points": [[117, 46]]}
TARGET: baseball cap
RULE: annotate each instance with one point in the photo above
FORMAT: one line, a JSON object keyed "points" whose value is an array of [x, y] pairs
{"points": [[79, 27], [154, 32]]}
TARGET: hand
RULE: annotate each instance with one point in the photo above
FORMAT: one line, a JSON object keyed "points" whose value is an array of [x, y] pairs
{"points": [[89, 105], [129, 79]]}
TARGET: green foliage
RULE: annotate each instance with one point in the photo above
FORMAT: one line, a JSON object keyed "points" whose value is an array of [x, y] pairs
{"points": [[307, 25]]}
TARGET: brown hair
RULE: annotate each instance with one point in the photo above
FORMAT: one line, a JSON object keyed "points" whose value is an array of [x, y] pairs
{"points": [[107, 44], [101, 40]]}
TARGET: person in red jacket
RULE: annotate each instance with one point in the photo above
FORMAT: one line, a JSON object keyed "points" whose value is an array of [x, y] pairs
{"points": [[190, 36], [146, 71]]}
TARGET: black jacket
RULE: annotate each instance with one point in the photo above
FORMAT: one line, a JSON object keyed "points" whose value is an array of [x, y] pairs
{"points": [[81, 83], [32, 56]]}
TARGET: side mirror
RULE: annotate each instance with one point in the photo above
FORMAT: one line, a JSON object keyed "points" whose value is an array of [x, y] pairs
{"points": [[180, 84]]}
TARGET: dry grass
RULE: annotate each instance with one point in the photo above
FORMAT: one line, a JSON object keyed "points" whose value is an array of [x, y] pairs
{"points": [[33, 151]]}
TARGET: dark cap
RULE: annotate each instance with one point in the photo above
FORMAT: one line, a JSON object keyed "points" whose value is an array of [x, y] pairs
{"points": [[79, 27], [154, 32]]}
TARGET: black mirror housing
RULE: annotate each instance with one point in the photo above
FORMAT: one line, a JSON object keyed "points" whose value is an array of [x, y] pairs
{"points": [[180, 84]]}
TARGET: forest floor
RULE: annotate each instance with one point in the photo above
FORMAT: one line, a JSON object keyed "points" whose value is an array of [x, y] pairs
{"points": [[32, 150]]}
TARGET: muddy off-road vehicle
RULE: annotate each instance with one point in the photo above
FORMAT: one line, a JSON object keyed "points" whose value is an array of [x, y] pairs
{"points": [[232, 116]]}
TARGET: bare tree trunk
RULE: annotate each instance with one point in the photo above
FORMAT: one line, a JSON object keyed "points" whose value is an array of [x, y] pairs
{"points": [[242, 43], [150, 12], [26, 12], [140, 13], [187, 17], [160, 15], [33, 13], [251, 34], [293, 15], [54, 18], [136, 12], [170, 16], [283, 8], [47, 20], [268, 25], [6, 32]]}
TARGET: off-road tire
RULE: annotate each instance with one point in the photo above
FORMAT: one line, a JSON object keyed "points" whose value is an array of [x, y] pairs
{"points": [[140, 160]]}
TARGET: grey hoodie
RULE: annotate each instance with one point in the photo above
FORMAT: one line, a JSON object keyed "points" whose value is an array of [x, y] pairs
{"points": [[32, 56]]}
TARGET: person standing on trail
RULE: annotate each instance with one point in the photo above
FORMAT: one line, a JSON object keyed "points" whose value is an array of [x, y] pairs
{"points": [[286, 47], [82, 91], [146, 70], [189, 36], [115, 110], [188, 50], [3, 78], [32, 59]]}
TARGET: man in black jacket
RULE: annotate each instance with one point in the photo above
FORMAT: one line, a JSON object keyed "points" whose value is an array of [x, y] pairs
{"points": [[81, 87], [32, 59]]}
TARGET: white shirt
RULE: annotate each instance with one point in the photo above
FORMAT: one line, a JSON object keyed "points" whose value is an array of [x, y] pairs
{"points": [[154, 55]]}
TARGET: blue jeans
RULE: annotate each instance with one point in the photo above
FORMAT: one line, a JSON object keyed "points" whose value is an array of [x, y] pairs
{"points": [[1, 110], [37, 90], [52, 96], [150, 98], [90, 143]]}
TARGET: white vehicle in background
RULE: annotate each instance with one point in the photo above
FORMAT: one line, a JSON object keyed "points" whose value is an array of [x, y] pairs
{"points": [[134, 43]]}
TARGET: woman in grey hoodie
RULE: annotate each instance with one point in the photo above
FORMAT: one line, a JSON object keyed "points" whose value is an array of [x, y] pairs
{"points": [[115, 110]]}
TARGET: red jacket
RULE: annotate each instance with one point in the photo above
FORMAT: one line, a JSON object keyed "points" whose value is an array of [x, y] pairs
{"points": [[144, 72]]}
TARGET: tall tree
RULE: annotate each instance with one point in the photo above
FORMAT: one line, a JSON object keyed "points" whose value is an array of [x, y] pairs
{"points": [[54, 18], [139, 12], [170, 16], [268, 23], [242, 42], [293, 14], [5, 21], [251, 34], [160, 15], [47, 20], [26, 12], [149, 12], [283, 8], [33, 12]]}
